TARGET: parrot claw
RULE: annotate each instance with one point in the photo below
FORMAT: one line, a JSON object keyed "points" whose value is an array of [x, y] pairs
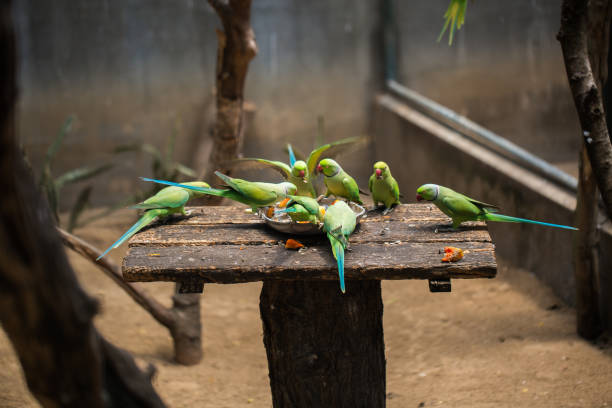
{"points": [[187, 213]]}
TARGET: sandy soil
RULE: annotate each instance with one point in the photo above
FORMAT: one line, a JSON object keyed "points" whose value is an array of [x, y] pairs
{"points": [[505, 342]]}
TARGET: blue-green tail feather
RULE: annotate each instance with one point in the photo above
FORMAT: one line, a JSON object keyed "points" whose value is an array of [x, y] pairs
{"points": [[145, 220], [508, 218], [207, 190], [286, 210], [338, 251], [291, 155]]}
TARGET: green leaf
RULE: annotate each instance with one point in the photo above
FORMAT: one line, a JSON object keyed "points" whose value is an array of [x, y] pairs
{"points": [[132, 147], [52, 199], [82, 173], [57, 143], [81, 203]]}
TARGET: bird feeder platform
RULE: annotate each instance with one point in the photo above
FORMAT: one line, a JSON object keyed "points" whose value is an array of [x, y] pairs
{"points": [[324, 348]]}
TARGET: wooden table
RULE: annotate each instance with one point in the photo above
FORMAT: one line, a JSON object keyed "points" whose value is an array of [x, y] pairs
{"points": [[325, 349]]}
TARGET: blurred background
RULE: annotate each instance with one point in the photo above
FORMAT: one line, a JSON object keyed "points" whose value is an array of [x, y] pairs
{"points": [[142, 71]]}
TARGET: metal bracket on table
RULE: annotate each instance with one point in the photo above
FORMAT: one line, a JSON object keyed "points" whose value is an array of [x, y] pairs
{"points": [[190, 287], [439, 285]]}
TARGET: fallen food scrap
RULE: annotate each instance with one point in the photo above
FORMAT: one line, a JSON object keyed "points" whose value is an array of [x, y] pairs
{"points": [[452, 254], [293, 244]]}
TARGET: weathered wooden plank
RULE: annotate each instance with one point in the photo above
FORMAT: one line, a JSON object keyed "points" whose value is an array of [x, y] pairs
{"points": [[252, 234], [234, 263]]}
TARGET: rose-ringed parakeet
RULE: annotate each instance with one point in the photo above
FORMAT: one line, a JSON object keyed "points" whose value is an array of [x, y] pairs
{"points": [[383, 186], [304, 209], [338, 182], [167, 201], [462, 208], [300, 172], [339, 223], [253, 194]]}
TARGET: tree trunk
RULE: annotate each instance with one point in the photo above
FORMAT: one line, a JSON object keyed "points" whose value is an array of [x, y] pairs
{"points": [[236, 50], [584, 38], [310, 365], [44, 311], [183, 320], [573, 37]]}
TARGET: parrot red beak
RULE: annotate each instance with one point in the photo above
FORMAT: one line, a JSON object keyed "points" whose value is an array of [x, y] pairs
{"points": [[301, 173], [320, 168], [419, 197], [378, 173]]}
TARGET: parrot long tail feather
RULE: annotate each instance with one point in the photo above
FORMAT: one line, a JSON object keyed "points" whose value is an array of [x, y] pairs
{"points": [[207, 190], [145, 220], [338, 251], [291, 155], [286, 210], [508, 218]]}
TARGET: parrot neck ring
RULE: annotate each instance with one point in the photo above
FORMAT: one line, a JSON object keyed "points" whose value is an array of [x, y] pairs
{"points": [[335, 172], [437, 192]]}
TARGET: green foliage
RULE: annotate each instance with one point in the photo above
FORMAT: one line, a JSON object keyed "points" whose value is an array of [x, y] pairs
{"points": [[163, 165], [455, 14], [52, 186]]}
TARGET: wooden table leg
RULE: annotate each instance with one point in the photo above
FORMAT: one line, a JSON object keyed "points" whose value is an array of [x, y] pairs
{"points": [[325, 349]]}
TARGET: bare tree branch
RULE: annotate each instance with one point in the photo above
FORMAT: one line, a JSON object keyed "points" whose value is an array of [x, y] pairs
{"points": [[156, 309], [587, 96], [183, 320]]}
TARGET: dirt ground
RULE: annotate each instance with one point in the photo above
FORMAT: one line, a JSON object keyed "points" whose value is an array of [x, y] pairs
{"points": [[504, 342]]}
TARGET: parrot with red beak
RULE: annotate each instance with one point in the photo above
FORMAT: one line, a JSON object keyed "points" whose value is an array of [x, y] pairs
{"points": [[463, 208], [338, 181], [299, 172], [383, 187]]}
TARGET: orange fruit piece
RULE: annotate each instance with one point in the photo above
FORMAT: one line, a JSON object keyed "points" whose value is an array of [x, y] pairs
{"points": [[293, 244], [283, 203], [270, 212], [452, 254]]}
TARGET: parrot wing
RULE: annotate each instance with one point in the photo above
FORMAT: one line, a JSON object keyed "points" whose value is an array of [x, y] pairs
{"points": [[351, 187], [331, 150], [371, 182], [460, 207], [395, 187], [282, 168], [253, 191], [169, 197], [481, 205], [308, 203]]}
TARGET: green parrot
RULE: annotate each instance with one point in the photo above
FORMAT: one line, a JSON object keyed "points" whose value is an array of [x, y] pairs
{"points": [[383, 186], [253, 194], [455, 13], [339, 223], [338, 182], [300, 172], [462, 208], [167, 201], [304, 209]]}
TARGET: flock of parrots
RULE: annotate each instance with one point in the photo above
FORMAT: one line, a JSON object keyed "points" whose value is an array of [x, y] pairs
{"points": [[338, 220]]}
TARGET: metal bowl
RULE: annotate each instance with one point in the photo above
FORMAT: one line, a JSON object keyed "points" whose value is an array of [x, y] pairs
{"points": [[283, 223]]}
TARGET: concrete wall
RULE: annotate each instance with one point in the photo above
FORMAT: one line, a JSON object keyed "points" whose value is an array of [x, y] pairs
{"points": [[420, 150], [504, 70], [133, 70]]}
